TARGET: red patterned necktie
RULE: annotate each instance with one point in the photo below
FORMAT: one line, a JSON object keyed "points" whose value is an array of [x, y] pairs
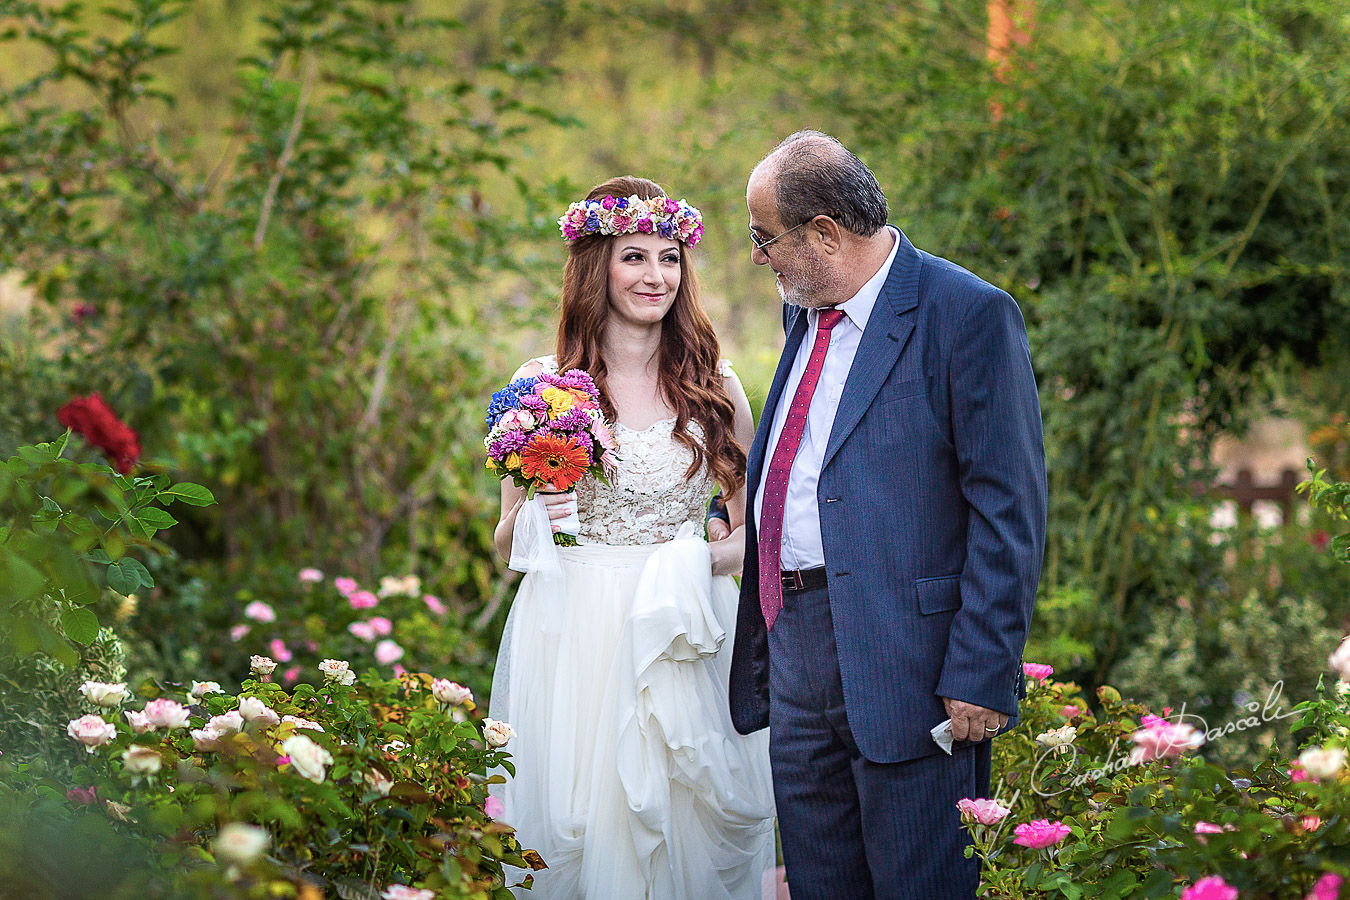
{"points": [[780, 467]]}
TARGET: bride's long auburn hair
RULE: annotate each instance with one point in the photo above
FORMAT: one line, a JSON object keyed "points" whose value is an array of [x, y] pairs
{"points": [[687, 356]]}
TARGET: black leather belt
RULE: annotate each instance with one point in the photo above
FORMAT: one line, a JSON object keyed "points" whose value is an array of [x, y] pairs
{"points": [[803, 579]]}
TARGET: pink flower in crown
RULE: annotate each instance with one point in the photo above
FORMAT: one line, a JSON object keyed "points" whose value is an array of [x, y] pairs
{"points": [[1211, 888], [1328, 887], [646, 225], [1038, 671], [608, 203], [671, 207], [621, 222], [570, 232], [1040, 833]]}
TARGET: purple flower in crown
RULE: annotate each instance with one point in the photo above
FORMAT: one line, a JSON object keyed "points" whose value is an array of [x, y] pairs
{"points": [[592, 222], [621, 203], [666, 230], [609, 203], [570, 233], [645, 225]]}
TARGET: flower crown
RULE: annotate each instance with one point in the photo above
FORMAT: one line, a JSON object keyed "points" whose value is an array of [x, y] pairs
{"points": [[671, 219]]}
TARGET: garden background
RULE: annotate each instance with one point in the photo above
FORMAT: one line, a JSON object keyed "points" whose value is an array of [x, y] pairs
{"points": [[296, 244]]}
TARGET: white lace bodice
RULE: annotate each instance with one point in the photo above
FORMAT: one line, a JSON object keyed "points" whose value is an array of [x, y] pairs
{"points": [[650, 495]]}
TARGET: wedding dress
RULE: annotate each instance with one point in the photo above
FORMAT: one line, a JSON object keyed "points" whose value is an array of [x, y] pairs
{"points": [[631, 781]]}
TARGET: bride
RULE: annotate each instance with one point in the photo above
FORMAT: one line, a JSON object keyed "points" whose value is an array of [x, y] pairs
{"points": [[630, 780]]}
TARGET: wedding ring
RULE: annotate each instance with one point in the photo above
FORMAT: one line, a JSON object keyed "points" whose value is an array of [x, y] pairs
{"points": [[987, 728]]}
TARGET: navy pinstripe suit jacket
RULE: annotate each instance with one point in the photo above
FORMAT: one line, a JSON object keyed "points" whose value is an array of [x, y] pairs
{"points": [[932, 504]]}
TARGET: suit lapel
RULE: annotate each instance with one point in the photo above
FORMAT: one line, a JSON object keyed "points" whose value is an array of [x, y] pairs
{"points": [[796, 332], [888, 329]]}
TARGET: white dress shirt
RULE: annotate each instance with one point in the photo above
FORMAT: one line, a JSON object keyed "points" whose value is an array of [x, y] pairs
{"points": [[802, 547]]}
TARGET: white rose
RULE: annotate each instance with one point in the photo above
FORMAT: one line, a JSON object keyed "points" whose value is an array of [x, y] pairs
{"points": [[103, 694], [497, 733], [378, 782], [166, 713], [338, 670], [298, 722], [1340, 660], [1322, 763], [1343, 689], [141, 760], [262, 665], [241, 843], [308, 759], [448, 692], [1057, 739], [206, 738], [92, 731], [403, 892], [138, 722], [254, 710], [395, 747], [228, 723], [201, 688]]}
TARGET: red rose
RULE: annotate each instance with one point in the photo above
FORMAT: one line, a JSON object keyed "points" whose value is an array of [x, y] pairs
{"points": [[91, 418]]}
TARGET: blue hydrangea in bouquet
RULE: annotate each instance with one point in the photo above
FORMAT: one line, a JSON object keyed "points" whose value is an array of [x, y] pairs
{"points": [[546, 432]]}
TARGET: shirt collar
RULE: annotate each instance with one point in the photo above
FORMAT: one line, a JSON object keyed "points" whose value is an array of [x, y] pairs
{"points": [[858, 308]]}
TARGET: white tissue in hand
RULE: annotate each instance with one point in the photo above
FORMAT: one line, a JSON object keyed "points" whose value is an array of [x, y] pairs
{"points": [[942, 735]]}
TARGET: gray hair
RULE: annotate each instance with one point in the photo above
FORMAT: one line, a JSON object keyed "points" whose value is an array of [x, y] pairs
{"points": [[815, 175]]}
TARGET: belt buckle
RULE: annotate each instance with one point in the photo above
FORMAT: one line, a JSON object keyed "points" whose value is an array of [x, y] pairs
{"points": [[791, 581]]}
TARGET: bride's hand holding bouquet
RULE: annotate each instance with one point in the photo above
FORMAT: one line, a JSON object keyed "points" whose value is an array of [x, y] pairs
{"points": [[546, 432]]}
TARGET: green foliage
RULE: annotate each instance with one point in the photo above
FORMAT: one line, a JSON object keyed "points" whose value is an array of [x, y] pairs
{"points": [[1333, 497], [354, 787], [1133, 821]]}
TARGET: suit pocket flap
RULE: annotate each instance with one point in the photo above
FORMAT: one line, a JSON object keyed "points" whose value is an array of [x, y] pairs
{"points": [[939, 594]]}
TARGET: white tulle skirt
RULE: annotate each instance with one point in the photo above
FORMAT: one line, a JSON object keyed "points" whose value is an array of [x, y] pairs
{"points": [[630, 780]]}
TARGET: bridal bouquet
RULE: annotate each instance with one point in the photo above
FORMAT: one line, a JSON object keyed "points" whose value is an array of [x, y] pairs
{"points": [[546, 432]]}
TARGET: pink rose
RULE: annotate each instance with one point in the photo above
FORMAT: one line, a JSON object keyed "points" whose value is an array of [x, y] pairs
{"points": [[237, 632], [260, 612], [138, 722], [1204, 828], [1328, 887], [91, 731], [1040, 833], [345, 586], [381, 626], [362, 630], [1038, 671], [82, 796], [1160, 738], [363, 600], [310, 576], [434, 604], [166, 713], [291, 674], [1311, 823], [279, 651], [1211, 888], [387, 652], [1070, 712], [494, 808], [986, 812]]}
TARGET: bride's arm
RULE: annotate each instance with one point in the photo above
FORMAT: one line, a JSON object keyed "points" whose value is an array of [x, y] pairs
{"points": [[728, 554]]}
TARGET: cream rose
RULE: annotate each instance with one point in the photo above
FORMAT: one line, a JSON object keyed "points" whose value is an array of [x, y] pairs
{"points": [[497, 733], [448, 692], [251, 709], [1322, 762], [227, 723], [141, 760], [337, 670], [299, 722], [1057, 739], [138, 722], [378, 782], [262, 665], [92, 731], [101, 693], [201, 688], [166, 713], [240, 843], [1340, 660], [308, 759]]}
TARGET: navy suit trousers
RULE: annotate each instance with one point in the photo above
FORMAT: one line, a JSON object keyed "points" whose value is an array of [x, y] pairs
{"points": [[853, 829]]}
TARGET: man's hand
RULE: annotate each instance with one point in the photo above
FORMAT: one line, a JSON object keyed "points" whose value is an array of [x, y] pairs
{"points": [[718, 530], [971, 722]]}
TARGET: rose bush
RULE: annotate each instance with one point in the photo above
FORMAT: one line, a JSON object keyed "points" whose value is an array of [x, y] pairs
{"points": [[365, 787], [1123, 802]]}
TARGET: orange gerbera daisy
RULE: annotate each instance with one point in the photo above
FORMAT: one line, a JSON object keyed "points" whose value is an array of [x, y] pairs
{"points": [[555, 460]]}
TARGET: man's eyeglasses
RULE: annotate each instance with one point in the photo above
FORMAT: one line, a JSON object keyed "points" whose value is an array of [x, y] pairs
{"points": [[763, 246]]}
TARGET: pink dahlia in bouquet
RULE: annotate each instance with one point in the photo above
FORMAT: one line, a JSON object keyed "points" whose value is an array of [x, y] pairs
{"points": [[547, 432]]}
